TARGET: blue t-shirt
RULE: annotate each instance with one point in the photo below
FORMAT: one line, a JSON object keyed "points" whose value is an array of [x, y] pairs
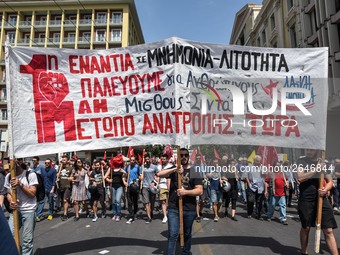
{"points": [[135, 171]]}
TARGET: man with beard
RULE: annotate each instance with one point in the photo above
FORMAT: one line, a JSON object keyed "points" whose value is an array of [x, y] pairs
{"points": [[192, 187], [309, 168]]}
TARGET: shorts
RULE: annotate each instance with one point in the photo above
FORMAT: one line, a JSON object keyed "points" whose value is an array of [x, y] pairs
{"points": [[65, 194], [216, 196], [308, 210], [163, 194], [98, 196], [147, 196]]}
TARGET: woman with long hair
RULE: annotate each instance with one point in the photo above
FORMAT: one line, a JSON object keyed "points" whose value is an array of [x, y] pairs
{"points": [[79, 193]]}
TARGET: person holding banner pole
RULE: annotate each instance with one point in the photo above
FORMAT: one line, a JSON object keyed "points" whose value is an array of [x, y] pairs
{"points": [[25, 204], [309, 169], [192, 187]]}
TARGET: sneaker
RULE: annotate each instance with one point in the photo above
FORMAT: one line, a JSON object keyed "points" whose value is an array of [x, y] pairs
{"points": [[76, 219], [216, 219], [64, 217], [285, 222], [165, 219], [336, 209], [114, 217], [94, 219], [130, 221], [37, 219], [50, 217], [148, 220], [117, 218], [234, 218]]}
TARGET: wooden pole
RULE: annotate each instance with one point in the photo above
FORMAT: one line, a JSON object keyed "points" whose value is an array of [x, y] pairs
{"points": [[142, 175], [180, 199], [15, 211], [319, 212]]}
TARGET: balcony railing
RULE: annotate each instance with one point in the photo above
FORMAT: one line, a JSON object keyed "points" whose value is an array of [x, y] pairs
{"points": [[55, 22], [84, 39], [69, 40], [25, 23], [39, 40], [40, 23], [85, 22]]}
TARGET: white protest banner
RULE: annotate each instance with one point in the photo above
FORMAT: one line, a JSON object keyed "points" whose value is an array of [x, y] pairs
{"points": [[169, 92]]}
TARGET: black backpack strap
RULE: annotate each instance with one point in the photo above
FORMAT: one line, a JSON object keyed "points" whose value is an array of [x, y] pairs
{"points": [[27, 174]]}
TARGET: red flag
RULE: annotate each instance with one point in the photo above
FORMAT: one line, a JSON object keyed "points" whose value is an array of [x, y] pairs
{"points": [[130, 152], [216, 155], [104, 155], [75, 157], [193, 156], [140, 158], [200, 153], [268, 154], [117, 161]]}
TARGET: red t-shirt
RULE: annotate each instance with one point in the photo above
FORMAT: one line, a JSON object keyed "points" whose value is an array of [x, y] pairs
{"points": [[279, 184]]}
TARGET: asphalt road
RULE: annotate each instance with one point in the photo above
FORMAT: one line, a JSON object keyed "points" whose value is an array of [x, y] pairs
{"points": [[247, 236]]}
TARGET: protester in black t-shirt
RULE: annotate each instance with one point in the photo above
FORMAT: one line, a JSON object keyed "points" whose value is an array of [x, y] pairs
{"points": [[309, 168], [192, 187]]}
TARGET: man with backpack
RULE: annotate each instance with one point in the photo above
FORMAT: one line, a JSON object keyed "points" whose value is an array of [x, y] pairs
{"points": [[26, 186], [48, 175]]}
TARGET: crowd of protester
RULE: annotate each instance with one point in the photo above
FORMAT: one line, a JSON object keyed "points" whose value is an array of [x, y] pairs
{"points": [[116, 188]]}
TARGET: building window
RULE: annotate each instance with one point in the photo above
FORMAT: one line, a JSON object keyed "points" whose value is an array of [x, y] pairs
{"points": [[264, 39], [100, 35], [258, 42], [116, 35], [71, 37], [27, 38], [11, 37], [12, 20], [87, 19], [292, 33], [4, 114], [41, 38], [56, 37], [117, 18], [43, 20], [272, 22], [86, 37], [101, 17], [289, 4]]}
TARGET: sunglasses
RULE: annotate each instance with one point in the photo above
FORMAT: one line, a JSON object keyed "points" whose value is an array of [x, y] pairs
{"points": [[47, 163], [184, 155]]}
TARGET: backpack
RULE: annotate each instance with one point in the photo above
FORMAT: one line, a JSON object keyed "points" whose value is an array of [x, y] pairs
{"points": [[40, 194]]}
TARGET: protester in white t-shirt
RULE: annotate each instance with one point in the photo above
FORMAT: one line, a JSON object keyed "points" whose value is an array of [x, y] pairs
{"points": [[26, 186]]}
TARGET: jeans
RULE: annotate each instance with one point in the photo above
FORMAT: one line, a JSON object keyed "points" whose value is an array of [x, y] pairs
{"points": [[27, 222], [116, 197], [173, 230], [243, 190], [50, 198], [274, 200]]}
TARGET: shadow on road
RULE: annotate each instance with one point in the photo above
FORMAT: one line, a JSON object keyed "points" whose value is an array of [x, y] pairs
{"points": [[160, 246]]}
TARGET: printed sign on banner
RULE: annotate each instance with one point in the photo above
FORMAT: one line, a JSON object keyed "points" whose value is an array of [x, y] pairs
{"points": [[169, 92]]}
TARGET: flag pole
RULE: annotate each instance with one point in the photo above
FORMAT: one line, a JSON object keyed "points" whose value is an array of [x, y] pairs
{"points": [[180, 200], [319, 211], [15, 211]]}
